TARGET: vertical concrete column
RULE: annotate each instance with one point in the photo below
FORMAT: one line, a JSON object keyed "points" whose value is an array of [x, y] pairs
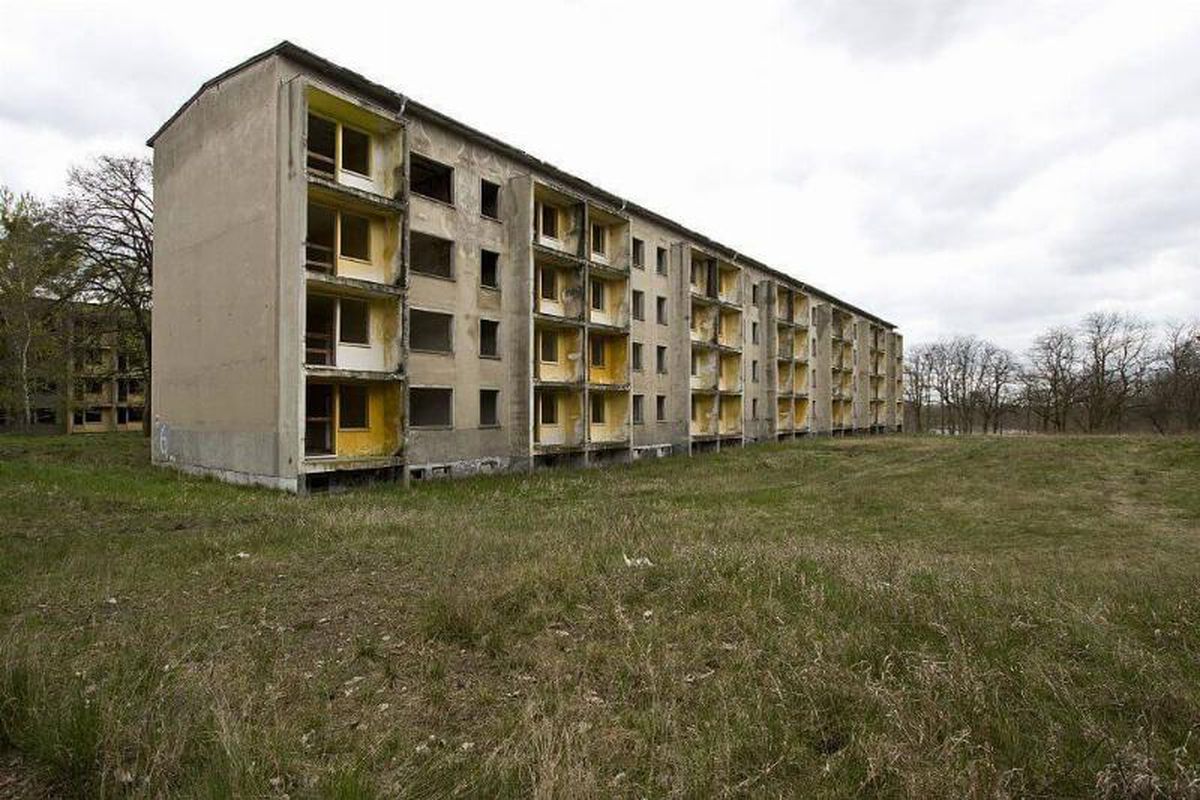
{"points": [[679, 359], [770, 318], [292, 200], [889, 380], [861, 408], [518, 319], [821, 362]]}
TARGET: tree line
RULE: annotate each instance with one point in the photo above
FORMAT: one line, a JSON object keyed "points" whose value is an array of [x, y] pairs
{"points": [[1110, 373], [89, 249]]}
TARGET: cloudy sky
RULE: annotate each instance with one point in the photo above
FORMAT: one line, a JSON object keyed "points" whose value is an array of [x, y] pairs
{"points": [[989, 167]]}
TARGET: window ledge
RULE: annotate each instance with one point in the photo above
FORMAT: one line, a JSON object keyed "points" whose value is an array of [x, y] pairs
{"points": [[431, 352], [434, 275], [442, 203]]}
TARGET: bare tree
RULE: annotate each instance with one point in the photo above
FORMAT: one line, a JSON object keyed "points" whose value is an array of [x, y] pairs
{"points": [[110, 212], [1053, 377], [1173, 384], [918, 383], [36, 280], [1117, 350], [998, 371]]}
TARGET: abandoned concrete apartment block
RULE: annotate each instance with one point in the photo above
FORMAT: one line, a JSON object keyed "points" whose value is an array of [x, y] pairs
{"points": [[349, 284]]}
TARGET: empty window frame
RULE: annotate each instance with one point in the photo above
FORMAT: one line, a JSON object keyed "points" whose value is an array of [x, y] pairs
{"points": [[489, 338], [430, 331], [489, 269], [322, 145], [321, 238], [353, 408], [639, 304], [597, 287], [660, 407], [431, 255], [753, 333], [639, 253], [431, 179], [355, 321], [660, 261], [639, 410], [599, 240], [597, 355], [548, 409], [597, 408], [430, 408], [695, 362], [489, 199], [354, 236], [547, 220], [489, 408], [549, 347], [754, 408], [754, 294], [660, 310], [754, 371], [356, 152], [636, 356], [549, 283], [660, 359]]}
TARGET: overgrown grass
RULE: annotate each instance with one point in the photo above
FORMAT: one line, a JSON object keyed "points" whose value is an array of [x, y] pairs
{"points": [[899, 617]]}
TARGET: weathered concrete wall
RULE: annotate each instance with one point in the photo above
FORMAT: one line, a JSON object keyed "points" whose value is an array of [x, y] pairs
{"points": [[217, 307], [820, 360]]}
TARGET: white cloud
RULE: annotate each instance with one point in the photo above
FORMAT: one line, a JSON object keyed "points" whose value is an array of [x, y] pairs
{"points": [[954, 166]]}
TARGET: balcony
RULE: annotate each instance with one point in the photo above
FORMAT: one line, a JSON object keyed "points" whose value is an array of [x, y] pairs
{"points": [[785, 343], [608, 360], [703, 323], [352, 147], [351, 333], [608, 419], [729, 283], [351, 422], [559, 291], [704, 370], [800, 415], [558, 424], [348, 242], [785, 383], [609, 244], [730, 379], [704, 416], [729, 331], [802, 310], [783, 305], [729, 421], [608, 302], [783, 414], [800, 345], [557, 221], [558, 354]]}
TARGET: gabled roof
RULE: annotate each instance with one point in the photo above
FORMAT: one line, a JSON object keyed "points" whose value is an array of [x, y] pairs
{"points": [[402, 104]]}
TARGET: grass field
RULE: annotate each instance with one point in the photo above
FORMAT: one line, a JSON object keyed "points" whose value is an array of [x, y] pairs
{"points": [[898, 617]]}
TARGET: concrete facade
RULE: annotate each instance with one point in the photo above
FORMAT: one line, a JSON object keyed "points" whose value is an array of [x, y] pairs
{"points": [[349, 284]]}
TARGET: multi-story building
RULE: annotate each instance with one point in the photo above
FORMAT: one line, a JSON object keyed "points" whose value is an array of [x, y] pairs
{"points": [[348, 283]]}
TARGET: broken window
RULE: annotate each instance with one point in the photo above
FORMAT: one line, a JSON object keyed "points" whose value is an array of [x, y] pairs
{"points": [[489, 199], [660, 310], [430, 179], [754, 371], [135, 414], [639, 402], [430, 408], [352, 408], [597, 352], [431, 255], [637, 357], [548, 409], [695, 362], [356, 237], [356, 151], [122, 416], [660, 356], [639, 253], [549, 221], [489, 338], [489, 269], [599, 240], [549, 283], [754, 294], [639, 304], [661, 261], [597, 406], [754, 333], [597, 294], [550, 347], [318, 245], [318, 330], [660, 407], [754, 408], [430, 331], [322, 144], [318, 419], [489, 408], [355, 327]]}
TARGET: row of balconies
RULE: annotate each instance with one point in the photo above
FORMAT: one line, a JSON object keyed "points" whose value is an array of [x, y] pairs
{"points": [[713, 325], [715, 414], [559, 292], [791, 307], [712, 370], [559, 222], [562, 422], [792, 414], [559, 356], [714, 281]]}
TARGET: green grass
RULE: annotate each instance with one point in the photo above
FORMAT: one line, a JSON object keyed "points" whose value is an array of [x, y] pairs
{"points": [[895, 617]]}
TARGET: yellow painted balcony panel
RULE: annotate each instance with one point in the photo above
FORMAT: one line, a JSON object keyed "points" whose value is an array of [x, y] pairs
{"points": [[558, 354], [800, 414], [703, 323], [704, 415], [351, 244], [608, 420], [608, 303], [730, 332], [783, 415], [559, 291], [730, 418], [557, 220], [704, 370], [352, 145], [785, 383], [730, 379]]}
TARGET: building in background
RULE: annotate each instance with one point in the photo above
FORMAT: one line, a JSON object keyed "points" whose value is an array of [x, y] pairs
{"points": [[350, 284]]}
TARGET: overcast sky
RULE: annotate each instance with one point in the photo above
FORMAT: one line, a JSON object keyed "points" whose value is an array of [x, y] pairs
{"points": [[990, 167]]}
